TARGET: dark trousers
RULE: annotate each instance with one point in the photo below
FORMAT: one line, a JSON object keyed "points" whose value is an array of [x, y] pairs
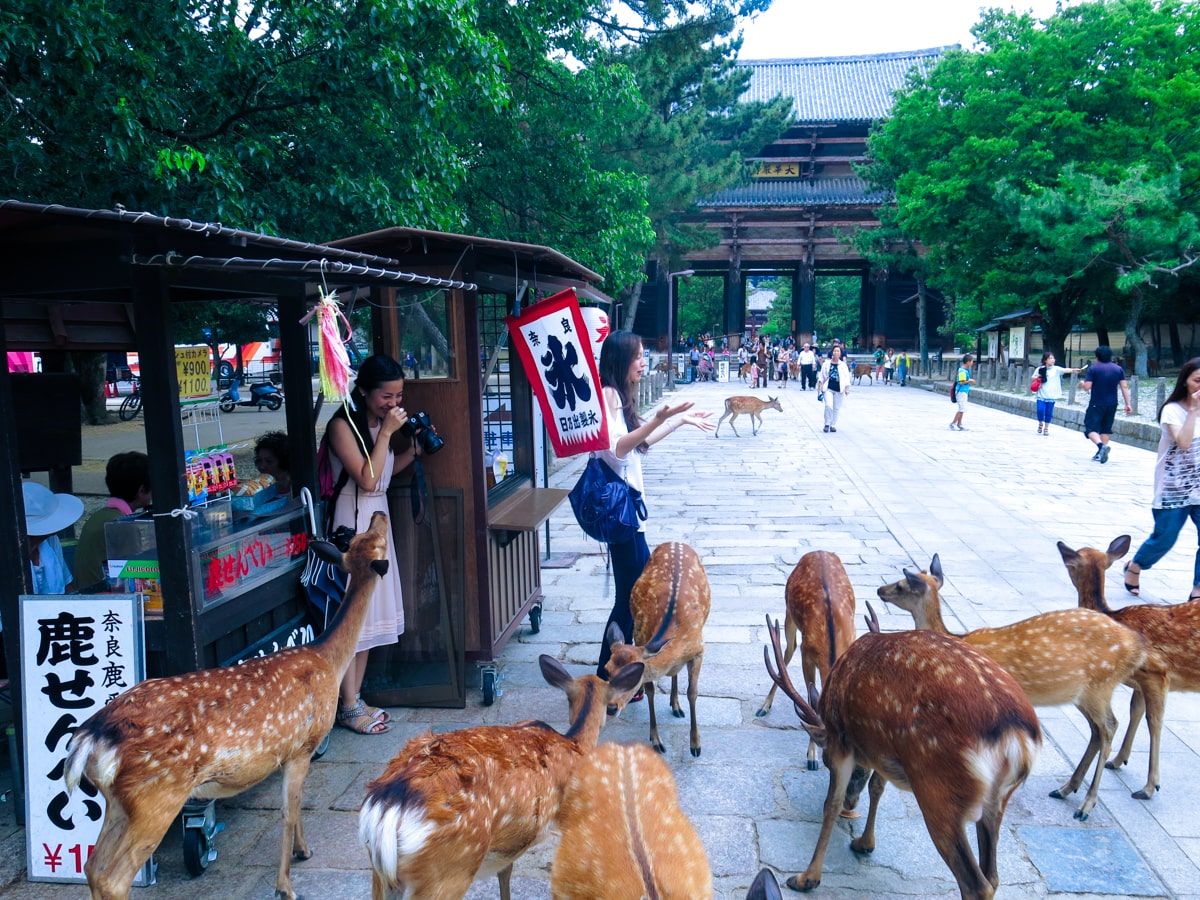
{"points": [[628, 560], [808, 377]]}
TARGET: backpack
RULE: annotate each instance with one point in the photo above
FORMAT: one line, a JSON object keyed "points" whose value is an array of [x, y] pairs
{"points": [[954, 386]]}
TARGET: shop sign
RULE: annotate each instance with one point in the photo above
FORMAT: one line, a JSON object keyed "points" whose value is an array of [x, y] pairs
{"points": [[78, 652], [552, 340], [194, 371], [230, 567]]}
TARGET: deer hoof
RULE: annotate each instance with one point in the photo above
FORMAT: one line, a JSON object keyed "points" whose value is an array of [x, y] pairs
{"points": [[1142, 794], [813, 765], [695, 751], [1057, 794], [1081, 815], [762, 712], [797, 884], [660, 747], [860, 848], [301, 855], [678, 713], [1112, 764]]}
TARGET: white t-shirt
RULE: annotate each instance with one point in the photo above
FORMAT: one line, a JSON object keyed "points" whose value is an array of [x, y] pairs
{"points": [[1177, 472], [628, 467], [1051, 388]]}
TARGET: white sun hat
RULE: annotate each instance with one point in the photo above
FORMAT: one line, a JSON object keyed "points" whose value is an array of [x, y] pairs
{"points": [[47, 512]]}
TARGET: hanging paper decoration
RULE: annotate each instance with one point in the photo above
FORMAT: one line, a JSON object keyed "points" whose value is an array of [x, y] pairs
{"points": [[333, 362], [552, 340]]}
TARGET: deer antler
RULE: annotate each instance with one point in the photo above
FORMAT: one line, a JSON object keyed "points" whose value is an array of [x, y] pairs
{"points": [[872, 619], [804, 708]]}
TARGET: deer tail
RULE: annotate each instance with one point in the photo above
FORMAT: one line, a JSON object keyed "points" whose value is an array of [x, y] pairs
{"points": [[78, 753], [391, 832]]}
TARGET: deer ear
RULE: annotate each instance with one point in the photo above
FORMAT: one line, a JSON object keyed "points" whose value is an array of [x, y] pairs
{"points": [[1119, 547], [1068, 555], [553, 671], [379, 567], [656, 646], [614, 635], [915, 581], [629, 678], [935, 569]]}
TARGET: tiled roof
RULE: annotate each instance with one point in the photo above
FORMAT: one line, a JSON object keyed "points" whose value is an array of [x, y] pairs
{"points": [[845, 191], [837, 88]]}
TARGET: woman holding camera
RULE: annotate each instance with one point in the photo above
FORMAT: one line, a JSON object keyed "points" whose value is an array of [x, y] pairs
{"points": [[360, 445]]}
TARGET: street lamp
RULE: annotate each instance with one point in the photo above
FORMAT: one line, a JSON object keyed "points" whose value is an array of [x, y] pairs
{"points": [[671, 276]]}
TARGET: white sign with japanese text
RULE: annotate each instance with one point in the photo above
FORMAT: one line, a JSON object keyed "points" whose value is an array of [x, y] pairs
{"points": [[78, 651]]}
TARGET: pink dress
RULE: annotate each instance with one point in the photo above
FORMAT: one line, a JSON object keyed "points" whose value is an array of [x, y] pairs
{"points": [[385, 617]]}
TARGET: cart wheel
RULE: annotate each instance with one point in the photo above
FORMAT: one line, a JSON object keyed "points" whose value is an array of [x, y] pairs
{"points": [[195, 851], [489, 688], [535, 618], [323, 747]]}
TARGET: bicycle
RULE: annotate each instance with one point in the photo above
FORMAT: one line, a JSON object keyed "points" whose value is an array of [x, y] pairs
{"points": [[132, 405]]}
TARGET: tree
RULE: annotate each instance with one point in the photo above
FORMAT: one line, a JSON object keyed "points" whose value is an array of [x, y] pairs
{"points": [[1100, 88], [701, 304], [838, 299]]}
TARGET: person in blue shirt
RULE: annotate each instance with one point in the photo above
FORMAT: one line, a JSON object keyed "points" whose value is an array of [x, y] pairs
{"points": [[46, 514], [1103, 379], [962, 390]]}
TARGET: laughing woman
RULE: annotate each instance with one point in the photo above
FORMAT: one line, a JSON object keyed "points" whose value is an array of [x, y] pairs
{"points": [[622, 365]]}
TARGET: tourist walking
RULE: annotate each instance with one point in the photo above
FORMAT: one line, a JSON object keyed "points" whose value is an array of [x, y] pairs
{"points": [[834, 383], [1050, 391], [1103, 379], [1176, 479], [807, 359], [902, 368], [889, 366], [621, 368], [962, 391]]}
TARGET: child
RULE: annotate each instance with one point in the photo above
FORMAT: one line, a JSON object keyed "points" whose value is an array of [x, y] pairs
{"points": [[754, 374]]}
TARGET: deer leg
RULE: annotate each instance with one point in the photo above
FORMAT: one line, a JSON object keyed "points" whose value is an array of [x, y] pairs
{"points": [[504, 876], [839, 775], [789, 627], [293, 845], [755, 421], [676, 706], [1154, 696], [987, 838], [1103, 724], [655, 740], [865, 843], [733, 419], [125, 843], [809, 667], [1137, 709], [693, 693], [950, 837], [717, 433]]}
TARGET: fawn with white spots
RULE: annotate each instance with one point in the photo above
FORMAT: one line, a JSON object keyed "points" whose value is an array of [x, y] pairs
{"points": [[1173, 633], [670, 603], [624, 836], [753, 406], [217, 732], [454, 808], [820, 605], [1074, 656], [934, 716]]}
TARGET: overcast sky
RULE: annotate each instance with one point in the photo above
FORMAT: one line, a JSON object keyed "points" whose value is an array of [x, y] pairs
{"points": [[804, 28]]}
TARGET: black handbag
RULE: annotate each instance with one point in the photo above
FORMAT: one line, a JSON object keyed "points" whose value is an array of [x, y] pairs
{"points": [[606, 507]]}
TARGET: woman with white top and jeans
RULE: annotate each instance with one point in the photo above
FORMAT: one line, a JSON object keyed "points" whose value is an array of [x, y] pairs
{"points": [[1176, 479], [621, 368], [1050, 391], [834, 384]]}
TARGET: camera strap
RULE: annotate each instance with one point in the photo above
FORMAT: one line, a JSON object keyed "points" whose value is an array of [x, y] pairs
{"points": [[416, 491]]}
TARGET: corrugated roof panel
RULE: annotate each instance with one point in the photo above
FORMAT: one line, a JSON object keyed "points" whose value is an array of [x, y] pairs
{"points": [[837, 88], [844, 191]]}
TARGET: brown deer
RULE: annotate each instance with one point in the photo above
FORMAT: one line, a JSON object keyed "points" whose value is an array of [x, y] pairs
{"points": [[1173, 633], [1075, 656], [454, 808], [217, 732], [932, 715], [670, 603], [861, 371], [735, 406], [624, 836], [820, 605]]}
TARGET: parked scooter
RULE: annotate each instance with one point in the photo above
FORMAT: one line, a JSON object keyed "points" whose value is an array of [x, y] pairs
{"points": [[265, 394]]}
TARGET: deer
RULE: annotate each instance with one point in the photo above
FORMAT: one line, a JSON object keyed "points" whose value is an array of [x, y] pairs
{"points": [[451, 809], [1173, 633], [670, 603], [624, 836], [1075, 656], [217, 732], [934, 716], [820, 605], [861, 371], [735, 406]]}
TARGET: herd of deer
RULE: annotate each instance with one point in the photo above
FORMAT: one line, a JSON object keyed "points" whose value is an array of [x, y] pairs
{"points": [[949, 718]]}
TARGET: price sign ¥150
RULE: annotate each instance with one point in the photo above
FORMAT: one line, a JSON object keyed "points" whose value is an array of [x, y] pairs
{"points": [[193, 370]]}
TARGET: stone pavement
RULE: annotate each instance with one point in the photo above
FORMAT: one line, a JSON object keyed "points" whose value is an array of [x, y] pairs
{"points": [[892, 487]]}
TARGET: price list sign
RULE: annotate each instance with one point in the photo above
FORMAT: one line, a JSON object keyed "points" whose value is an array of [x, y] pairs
{"points": [[78, 652], [194, 372]]}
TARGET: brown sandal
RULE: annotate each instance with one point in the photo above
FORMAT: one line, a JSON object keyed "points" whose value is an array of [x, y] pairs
{"points": [[379, 715], [357, 719], [1134, 589]]}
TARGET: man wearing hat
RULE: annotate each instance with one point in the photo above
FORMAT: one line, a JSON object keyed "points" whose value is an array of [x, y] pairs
{"points": [[46, 514]]}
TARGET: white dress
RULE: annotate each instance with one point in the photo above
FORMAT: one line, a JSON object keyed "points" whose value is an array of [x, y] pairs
{"points": [[385, 617]]}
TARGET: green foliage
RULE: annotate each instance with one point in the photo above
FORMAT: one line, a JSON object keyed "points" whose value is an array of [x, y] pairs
{"points": [[700, 305], [985, 152], [836, 312], [222, 323], [779, 313]]}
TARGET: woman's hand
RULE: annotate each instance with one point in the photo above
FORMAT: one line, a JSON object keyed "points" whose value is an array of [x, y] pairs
{"points": [[392, 422], [699, 420], [666, 411]]}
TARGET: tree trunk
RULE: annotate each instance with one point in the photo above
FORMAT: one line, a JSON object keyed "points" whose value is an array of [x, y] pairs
{"points": [[1133, 333], [1176, 343], [631, 308], [922, 338], [91, 369]]}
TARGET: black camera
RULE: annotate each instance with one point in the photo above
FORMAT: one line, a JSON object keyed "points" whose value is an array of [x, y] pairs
{"points": [[420, 429]]}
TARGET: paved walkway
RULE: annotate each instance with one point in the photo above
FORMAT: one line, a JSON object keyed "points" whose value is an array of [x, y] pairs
{"points": [[892, 487]]}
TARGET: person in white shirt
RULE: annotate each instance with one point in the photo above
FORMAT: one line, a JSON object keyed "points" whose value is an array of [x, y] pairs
{"points": [[834, 382], [1050, 391], [808, 367]]}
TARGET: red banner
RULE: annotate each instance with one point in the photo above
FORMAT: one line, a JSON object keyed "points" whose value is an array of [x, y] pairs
{"points": [[552, 340]]}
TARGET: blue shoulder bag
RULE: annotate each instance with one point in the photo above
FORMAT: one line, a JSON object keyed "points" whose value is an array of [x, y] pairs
{"points": [[606, 507]]}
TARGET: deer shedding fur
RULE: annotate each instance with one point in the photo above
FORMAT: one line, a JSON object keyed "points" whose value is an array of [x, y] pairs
{"points": [[217, 732]]}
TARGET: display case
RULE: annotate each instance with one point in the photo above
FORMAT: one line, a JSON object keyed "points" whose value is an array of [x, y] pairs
{"points": [[233, 553]]}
